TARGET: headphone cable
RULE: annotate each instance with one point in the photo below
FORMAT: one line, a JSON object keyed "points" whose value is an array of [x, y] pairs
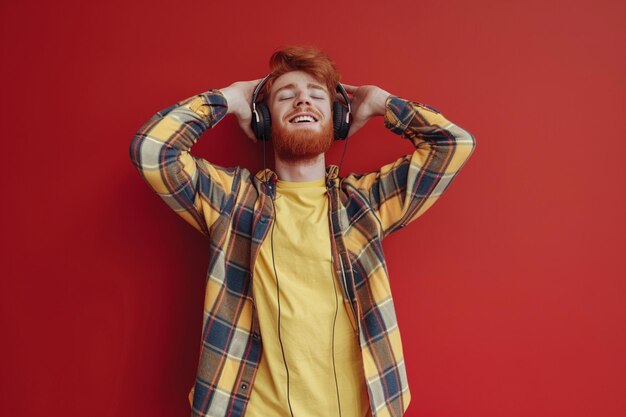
{"points": [[278, 299], [333, 339], [345, 146]]}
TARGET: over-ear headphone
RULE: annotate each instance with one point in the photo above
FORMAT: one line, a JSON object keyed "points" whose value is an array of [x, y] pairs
{"points": [[262, 122]]}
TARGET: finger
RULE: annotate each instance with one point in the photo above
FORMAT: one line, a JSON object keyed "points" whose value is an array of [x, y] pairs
{"points": [[350, 88], [341, 99]]}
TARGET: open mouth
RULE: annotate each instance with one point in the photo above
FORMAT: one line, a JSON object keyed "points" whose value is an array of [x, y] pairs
{"points": [[303, 118]]}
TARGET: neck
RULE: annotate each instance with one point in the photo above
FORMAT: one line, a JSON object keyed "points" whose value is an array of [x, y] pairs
{"points": [[309, 170]]}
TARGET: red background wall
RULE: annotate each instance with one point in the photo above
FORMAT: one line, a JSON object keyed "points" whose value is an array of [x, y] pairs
{"points": [[509, 291]]}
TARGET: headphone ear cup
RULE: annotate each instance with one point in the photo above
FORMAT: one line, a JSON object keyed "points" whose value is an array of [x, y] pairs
{"points": [[263, 128], [340, 126]]}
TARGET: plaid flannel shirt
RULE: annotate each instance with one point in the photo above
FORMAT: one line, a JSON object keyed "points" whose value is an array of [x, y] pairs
{"points": [[234, 210]]}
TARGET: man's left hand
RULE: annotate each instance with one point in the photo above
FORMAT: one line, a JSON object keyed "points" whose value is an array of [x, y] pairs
{"points": [[367, 101]]}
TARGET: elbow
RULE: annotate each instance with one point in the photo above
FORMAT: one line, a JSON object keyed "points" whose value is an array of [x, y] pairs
{"points": [[134, 150], [461, 137], [466, 138], [138, 146], [471, 140], [464, 146]]}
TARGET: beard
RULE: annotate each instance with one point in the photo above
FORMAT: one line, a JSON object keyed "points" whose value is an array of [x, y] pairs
{"points": [[301, 145]]}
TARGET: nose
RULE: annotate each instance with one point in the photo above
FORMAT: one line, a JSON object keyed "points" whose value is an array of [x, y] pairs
{"points": [[302, 99]]}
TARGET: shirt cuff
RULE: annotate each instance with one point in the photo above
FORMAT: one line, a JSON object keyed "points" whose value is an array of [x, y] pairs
{"points": [[211, 106], [400, 113]]}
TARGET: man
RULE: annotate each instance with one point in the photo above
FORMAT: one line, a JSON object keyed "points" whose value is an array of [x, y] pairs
{"points": [[299, 317]]}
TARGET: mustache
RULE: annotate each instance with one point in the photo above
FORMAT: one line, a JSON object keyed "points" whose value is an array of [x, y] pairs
{"points": [[317, 114]]}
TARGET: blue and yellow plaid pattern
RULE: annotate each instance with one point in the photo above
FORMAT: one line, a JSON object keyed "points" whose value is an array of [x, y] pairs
{"points": [[234, 210]]}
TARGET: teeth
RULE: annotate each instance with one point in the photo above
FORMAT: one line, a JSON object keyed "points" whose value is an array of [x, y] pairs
{"points": [[302, 119]]}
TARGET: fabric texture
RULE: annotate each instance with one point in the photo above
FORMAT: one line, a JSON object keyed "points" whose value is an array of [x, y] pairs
{"points": [[233, 208], [317, 338]]}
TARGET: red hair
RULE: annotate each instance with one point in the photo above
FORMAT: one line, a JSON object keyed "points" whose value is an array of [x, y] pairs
{"points": [[304, 58]]}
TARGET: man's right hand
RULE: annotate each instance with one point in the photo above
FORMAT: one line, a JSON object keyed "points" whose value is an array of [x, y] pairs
{"points": [[239, 98]]}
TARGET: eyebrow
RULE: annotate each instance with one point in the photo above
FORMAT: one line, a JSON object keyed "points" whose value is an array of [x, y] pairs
{"points": [[292, 85]]}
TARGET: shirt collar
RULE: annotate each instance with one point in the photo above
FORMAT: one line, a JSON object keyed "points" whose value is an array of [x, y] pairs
{"points": [[332, 175]]}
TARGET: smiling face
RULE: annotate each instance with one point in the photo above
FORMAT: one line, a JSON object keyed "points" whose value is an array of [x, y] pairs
{"points": [[300, 108]]}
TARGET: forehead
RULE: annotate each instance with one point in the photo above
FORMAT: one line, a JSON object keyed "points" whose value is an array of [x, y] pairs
{"points": [[297, 78]]}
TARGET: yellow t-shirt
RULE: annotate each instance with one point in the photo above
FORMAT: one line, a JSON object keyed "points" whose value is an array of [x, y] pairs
{"points": [[302, 255]]}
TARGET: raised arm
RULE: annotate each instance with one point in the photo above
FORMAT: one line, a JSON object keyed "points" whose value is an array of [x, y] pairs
{"points": [[403, 190], [160, 150]]}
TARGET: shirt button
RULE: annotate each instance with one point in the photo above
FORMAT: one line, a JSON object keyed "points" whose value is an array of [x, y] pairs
{"points": [[255, 335]]}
